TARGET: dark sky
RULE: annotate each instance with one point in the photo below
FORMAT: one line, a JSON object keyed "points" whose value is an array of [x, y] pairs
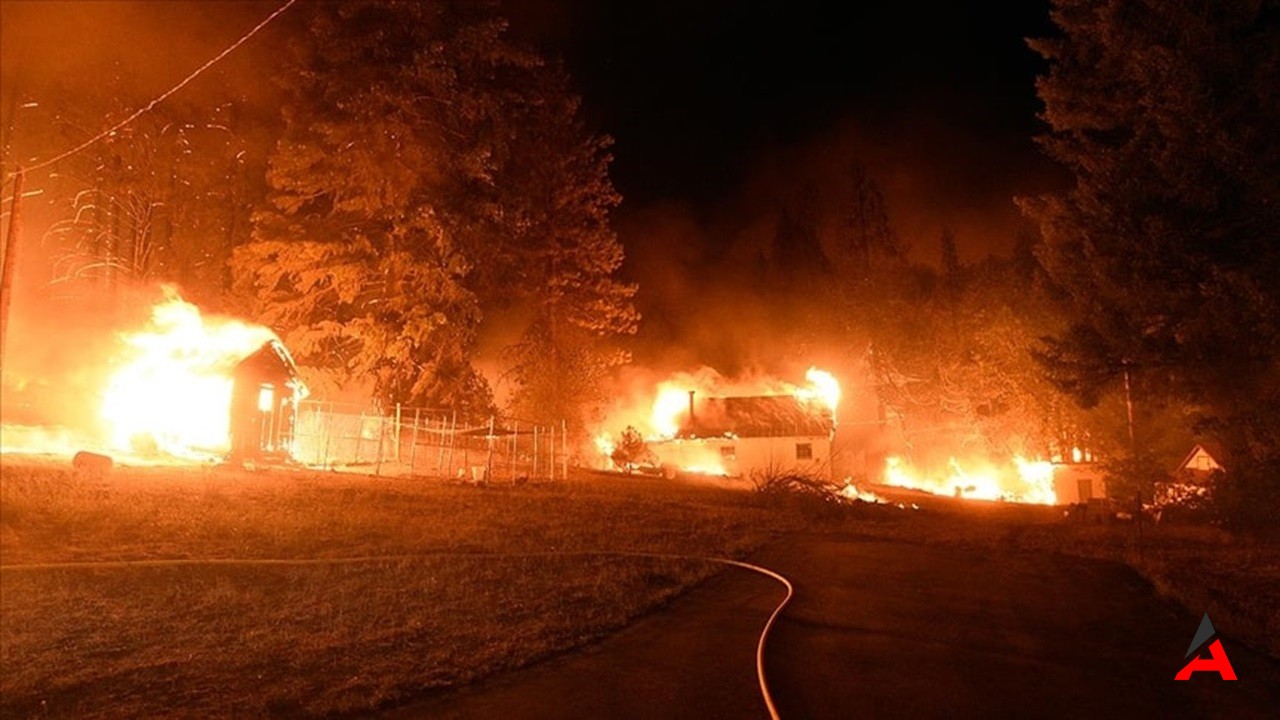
{"points": [[692, 90], [719, 110], [703, 98], [938, 99]]}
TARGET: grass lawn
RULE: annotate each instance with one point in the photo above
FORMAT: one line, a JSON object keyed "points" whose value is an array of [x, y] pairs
{"points": [[214, 593], [425, 606]]}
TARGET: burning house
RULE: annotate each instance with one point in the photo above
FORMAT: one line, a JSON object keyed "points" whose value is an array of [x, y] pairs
{"points": [[738, 436]]}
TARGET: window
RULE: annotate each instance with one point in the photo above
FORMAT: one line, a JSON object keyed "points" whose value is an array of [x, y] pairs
{"points": [[728, 452], [804, 451]]}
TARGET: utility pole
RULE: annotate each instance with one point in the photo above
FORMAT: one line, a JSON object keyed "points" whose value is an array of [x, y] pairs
{"points": [[11, 243], [1133, 455]]}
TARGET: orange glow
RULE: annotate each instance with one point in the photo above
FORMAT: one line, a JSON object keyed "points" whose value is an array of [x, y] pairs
{"points": [[823, 387], [670, 404], [172, 391], [661, 415], [1025, 481], [604, 444], [266, 398]]}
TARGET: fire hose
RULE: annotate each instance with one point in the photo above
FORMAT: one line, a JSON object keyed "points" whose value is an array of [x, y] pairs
{"points": [[192, 562]]}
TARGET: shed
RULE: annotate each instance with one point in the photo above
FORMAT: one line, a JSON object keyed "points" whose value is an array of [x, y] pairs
{"points": [[266, 389]]}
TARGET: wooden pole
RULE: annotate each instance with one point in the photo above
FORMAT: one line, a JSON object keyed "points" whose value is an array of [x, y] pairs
{"points": [[453, 439], [413, 449], [11, 243], [564, 447], [359, 436], [328, 434], [397, 435], [488, 462], [515, 434], [440, 440], [534, 474], [382, 434]]}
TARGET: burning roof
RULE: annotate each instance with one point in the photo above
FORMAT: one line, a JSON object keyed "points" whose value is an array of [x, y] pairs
{"points": [[759, 416]]}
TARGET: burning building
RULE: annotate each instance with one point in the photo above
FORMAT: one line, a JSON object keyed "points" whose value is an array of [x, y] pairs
{"points": [[739, 436], [265, 391], [183, 387]]}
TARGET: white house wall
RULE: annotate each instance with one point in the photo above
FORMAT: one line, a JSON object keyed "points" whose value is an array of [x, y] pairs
{"points": [[739, 457]]}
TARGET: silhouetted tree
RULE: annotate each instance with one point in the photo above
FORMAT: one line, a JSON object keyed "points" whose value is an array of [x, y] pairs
{"points": [[797, 255], [1166, 114]]}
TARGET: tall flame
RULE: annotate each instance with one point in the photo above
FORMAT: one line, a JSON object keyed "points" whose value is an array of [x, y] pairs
{"points": [[174, 389], [1027, 481], [823, 387]]}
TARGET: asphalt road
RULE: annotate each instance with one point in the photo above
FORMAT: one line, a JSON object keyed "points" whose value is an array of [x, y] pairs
{"points": [[891, 629]]}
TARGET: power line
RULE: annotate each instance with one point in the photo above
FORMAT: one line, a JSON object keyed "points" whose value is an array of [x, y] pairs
{"points": [[138, 113]]}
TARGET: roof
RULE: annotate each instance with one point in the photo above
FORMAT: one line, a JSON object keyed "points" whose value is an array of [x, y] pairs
{"points": [[1199, 452], [759, 416], [271, 362]]}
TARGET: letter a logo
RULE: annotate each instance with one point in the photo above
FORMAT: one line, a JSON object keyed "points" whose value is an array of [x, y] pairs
{"points": [[1217, 660]]}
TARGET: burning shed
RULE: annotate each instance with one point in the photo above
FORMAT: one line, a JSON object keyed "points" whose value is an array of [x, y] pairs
{"points": [[266, 388], [736, 436]]}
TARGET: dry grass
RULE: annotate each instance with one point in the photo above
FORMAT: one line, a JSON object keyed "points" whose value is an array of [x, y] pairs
{"points": [[236, 640]]}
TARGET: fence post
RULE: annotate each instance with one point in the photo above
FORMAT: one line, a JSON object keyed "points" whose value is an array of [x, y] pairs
{"points": [[359, 436], [453, 439], [564, 447], [413, 449], [534, 473], [440, 440], [397, 435], [488, 461], [515, 445], [382, 434], [328, 435]]}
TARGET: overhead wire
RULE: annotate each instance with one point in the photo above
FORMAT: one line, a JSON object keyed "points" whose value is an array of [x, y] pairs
{"points": [[164, 96]]}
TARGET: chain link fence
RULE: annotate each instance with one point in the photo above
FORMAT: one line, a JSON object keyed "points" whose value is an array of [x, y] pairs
{"points": [[422, 442]]}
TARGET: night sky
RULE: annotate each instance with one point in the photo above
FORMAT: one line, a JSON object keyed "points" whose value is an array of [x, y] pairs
{"points": [[702, 98], [719, 110], [692, 91]]}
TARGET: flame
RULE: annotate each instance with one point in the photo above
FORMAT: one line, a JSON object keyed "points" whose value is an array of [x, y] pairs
{"points": [[823, 387], [1027, 482], [669, 404], [173, 391], [661, 415], [604, 444]]}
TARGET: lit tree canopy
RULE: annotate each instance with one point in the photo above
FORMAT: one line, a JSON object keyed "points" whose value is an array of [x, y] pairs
{"points": [[429, 168]]}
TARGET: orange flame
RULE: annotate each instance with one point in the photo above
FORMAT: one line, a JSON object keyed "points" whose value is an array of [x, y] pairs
{"points": [[669, 408], [823, 388], [173, 391], [1027, 481]]}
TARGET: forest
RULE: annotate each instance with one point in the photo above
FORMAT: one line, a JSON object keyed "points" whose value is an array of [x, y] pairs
{"points": [[423, 209]]}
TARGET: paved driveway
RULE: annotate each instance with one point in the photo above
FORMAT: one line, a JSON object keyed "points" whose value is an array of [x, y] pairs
{"points": [[891, 629]]}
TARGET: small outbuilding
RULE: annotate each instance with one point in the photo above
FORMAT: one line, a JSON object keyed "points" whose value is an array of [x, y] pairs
{"points": [[266, 389]]}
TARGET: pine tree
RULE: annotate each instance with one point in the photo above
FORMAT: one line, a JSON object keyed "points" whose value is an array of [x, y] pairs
{"points": [[567, 258], [1166, 114], [431, 169]]}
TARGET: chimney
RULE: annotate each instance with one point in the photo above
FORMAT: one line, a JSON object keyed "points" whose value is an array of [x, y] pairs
{"points": [[691, 416]]}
